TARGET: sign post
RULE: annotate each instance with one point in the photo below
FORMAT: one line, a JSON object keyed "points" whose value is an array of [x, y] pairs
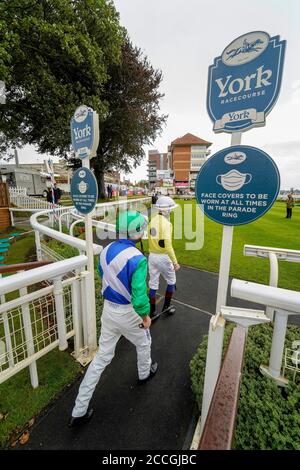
{"points": [[226, 250], [50, 174], [84, 189], [243, 86]]}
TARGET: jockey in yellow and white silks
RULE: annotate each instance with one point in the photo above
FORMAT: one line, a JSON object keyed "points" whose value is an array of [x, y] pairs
{"points": [[162, 259]]}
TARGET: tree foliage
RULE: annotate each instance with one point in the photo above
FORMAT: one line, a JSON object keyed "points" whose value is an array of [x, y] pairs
{"points": [[133, 97], [58, 54], [54, 56]]}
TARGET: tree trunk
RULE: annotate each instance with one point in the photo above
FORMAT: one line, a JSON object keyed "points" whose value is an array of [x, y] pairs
{"points": [[99, 174]]}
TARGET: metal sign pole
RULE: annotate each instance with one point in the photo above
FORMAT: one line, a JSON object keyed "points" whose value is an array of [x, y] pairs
{"points": [[90, 266], [217, 324], [84, 190], [226, 249]]}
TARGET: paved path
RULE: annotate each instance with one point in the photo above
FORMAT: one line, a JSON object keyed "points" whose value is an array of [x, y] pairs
{"points": [[158, 415]]}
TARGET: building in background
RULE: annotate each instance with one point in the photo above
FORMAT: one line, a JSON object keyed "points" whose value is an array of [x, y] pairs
{"points": [[176, 170], [188, 153], [159, 169], [24, 177]]}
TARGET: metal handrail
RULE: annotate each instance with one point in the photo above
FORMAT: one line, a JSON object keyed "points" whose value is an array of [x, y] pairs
{"points": [[218, 431], [62, 237], [51, 271], [13, 268]]}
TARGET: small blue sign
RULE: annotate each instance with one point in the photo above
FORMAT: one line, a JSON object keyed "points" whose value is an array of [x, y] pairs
{"points": [[244, 82], [237, 185], [84, 190], [85, 132]]}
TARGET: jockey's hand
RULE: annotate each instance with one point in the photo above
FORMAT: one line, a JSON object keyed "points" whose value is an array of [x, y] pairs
{"points": [[176, 267], [146, 321]]}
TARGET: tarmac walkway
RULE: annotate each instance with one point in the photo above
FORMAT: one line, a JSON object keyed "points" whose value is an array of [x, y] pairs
{"points": [[158, 415]]}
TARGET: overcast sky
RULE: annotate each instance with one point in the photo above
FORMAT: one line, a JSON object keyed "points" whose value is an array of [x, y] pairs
{"points": [[182, 37]]}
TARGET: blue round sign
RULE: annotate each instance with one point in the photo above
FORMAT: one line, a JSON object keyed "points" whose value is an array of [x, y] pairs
{"points": [[237, 185], [84, 190]]}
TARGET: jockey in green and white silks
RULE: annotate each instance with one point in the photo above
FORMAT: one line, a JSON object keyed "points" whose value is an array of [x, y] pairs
{"points": [[123, 269]]}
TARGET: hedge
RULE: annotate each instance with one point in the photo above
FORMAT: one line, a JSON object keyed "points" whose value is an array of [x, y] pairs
{"points": [[268, 416]]}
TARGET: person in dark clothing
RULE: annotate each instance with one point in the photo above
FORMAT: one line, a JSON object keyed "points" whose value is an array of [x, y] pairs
{"points": [[57, 194], [55, 197], [289, 206], [109, 191], [154, 198], [49, 195]]}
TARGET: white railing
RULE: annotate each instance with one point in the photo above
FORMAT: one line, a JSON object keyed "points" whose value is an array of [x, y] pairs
{"points": [[49, 254], [28, 202], [109, 211], [14, 192], [34, 323], [41, 229], [274, 255], [279, 304], [54, 215]]}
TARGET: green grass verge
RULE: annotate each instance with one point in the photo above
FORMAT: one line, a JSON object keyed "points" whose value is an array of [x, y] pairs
{"points": [[268, 416], [270, 230], [19, 402]]}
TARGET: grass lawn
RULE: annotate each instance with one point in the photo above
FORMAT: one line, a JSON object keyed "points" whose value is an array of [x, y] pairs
{"points": [[19, 402], [270, 230]]}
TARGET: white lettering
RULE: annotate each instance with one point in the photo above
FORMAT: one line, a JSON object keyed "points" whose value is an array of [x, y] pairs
{"points": [[237, 85], [263, 81], [221, 86], [240, 83]]}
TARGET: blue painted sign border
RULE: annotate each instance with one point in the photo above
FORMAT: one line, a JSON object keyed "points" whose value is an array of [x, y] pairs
{"points": [[211, 177], [216, 114]]}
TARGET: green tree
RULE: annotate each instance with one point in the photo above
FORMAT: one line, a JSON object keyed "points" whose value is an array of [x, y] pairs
{"points": [[54, 56], [132, 96]]}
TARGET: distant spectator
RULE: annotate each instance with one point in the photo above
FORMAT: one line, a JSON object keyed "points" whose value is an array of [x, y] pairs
{"points": [[49, 195], [57, 194], [289, 206], [109, 191], [154, 198]]}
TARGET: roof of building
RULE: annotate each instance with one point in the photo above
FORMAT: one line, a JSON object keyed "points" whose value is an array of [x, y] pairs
{"points": [[190, 139]]}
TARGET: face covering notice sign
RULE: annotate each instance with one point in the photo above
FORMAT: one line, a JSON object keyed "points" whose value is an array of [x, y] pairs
{"points": [[237, 185]]}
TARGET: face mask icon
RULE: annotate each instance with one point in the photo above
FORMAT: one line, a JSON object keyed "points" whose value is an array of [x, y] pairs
{"points": [[82, 187], [233, 180]]}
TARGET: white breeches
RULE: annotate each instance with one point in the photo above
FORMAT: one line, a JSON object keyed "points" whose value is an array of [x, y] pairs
{"points": [[160, 264], [116, 321]]}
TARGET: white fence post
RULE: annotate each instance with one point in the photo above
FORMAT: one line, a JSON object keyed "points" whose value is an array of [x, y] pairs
{"points": [[7, 334], [213, 364], [280, 325], [12, 221], [273, 280], [60, 313], [29, 339], [89, 311], [274, 369], [38, 247], [77, 317]]}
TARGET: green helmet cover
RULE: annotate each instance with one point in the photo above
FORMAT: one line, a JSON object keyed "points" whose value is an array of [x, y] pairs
{"points": [[131, 223]]}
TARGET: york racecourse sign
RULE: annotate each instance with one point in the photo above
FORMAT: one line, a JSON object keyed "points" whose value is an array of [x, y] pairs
{"points": [[244, 82]]}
